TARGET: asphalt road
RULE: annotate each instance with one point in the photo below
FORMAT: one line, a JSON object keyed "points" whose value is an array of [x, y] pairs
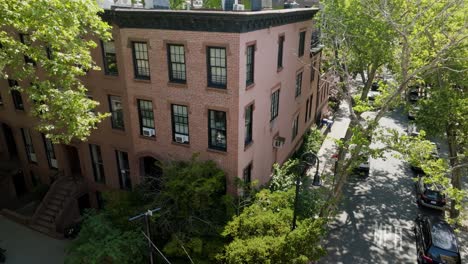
{"points": [[374, 224]]}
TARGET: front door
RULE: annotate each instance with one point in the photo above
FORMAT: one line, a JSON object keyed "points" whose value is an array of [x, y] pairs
{"points": [[20, 184], [10, 141], [73, 160]]}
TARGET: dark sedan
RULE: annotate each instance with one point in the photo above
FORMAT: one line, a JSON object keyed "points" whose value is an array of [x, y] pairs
{"points": [[436, 242], [430, 195]]}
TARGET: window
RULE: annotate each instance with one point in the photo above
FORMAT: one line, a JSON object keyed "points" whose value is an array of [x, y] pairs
{"points": [[50, 152], [16, 95], [295, 127], [274, 105], [307, 111], [176, 60], [115, 105], [30, 152], [109, 58], [247, 175], [310, 106], [146, 115], [180, 126], [217, 130], [250, 65], [26, 40], [280, 52], [301, 43], [248, 124], [123, 167], [298, 84], [216, 67], [98, 164], [141, 60]]}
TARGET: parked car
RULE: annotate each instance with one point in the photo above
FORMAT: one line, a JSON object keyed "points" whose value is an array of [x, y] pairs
{"points": [[375, 86], [412, 130], [371, 96], [414, 94], [434, 155], [436, 242], [363, 168], [413, 112], [430, 195]]}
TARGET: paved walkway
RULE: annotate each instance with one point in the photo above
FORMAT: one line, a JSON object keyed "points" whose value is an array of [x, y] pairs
{"points": [[24, 245]]}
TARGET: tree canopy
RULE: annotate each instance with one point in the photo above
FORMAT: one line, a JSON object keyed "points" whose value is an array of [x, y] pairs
{"points": [[49, 58]]}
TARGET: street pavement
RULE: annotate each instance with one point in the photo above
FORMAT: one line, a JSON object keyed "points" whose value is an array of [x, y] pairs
{"points": [[25, 246], [375, 220]]}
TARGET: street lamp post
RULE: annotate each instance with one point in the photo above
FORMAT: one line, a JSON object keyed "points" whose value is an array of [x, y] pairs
{"points": [[145, 215], [308, 160]]}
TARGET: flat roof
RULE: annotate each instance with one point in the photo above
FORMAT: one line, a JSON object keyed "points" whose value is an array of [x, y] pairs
{"points": [[206, 20]]}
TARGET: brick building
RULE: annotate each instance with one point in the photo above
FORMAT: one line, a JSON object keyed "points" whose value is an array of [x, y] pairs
{"points": [[240, 88]]}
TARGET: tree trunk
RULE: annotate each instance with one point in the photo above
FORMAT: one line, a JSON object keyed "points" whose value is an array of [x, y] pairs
{"points": [[370, 80], [363, 77], [456, 173]]}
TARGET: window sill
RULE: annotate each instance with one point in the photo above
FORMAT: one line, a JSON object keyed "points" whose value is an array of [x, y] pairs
{"points": [[246, 147], [20, 111], [222, 152], [177, 85], [142, 80], [149, 138], [218, 90], [119, 131], [250, 86], [111, 76], [278, 70], [180, 144]]}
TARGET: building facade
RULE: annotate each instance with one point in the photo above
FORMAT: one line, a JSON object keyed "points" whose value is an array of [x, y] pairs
{"points": [[239, 88]]}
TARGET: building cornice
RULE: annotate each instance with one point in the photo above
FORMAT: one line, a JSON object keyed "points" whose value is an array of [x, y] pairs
{"points": [[207, 21]]}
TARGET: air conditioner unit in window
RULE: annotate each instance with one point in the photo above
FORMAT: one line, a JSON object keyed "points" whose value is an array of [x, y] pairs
{"points": [[148, 132], [181, 138], [32, 156], [53, 163], [238, 7], [278, 142]]}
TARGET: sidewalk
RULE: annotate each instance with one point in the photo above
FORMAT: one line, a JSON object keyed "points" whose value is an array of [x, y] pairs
{"points": [[337, 131], [24, 245]]}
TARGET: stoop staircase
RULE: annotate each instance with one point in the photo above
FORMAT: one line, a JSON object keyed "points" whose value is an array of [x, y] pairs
{"points": [[48, 217]]}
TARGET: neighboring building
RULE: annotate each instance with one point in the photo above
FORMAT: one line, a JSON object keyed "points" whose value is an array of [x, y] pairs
{"points": [[240, 88]]}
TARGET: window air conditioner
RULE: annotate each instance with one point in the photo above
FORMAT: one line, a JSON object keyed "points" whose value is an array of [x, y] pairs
{"points": [[32, 156], [53, 163], [181, 138], [148, 132], [238, 7], [278, 142]]}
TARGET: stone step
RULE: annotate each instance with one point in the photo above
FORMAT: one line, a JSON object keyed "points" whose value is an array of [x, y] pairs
{"points": [[46, 231], [62, 191], [50, 212], [47, 218], [53, 207], [59, 196], [56, 202], [46, 224]]}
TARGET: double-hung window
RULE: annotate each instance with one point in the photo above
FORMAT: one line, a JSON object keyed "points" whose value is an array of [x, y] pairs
{"points": [[248, 124], [176, 61], [146, 115], [28, 145], [280, 52], [295, 127], [16, 95], [50, 152], [217, 67], [141, 60], [306, 116], [298, 84], [274, 108], [310, 106], [217, 131], [109, 58], [115, 105], [250, 66], [98, 164], [26, 40], [123, 167], [301, 43], [247, 175], [180, 125]]}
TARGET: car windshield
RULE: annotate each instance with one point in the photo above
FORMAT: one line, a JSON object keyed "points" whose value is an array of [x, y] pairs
{"points": [[433, 195], [443, 237]]}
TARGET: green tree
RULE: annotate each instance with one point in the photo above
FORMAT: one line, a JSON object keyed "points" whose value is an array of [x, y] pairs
{"points": [[99, 241], [262, 233], [59, 36]]}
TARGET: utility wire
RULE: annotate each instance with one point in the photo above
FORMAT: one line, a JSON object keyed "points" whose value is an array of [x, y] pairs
{"points": [[157, 249], [182, 245]]}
